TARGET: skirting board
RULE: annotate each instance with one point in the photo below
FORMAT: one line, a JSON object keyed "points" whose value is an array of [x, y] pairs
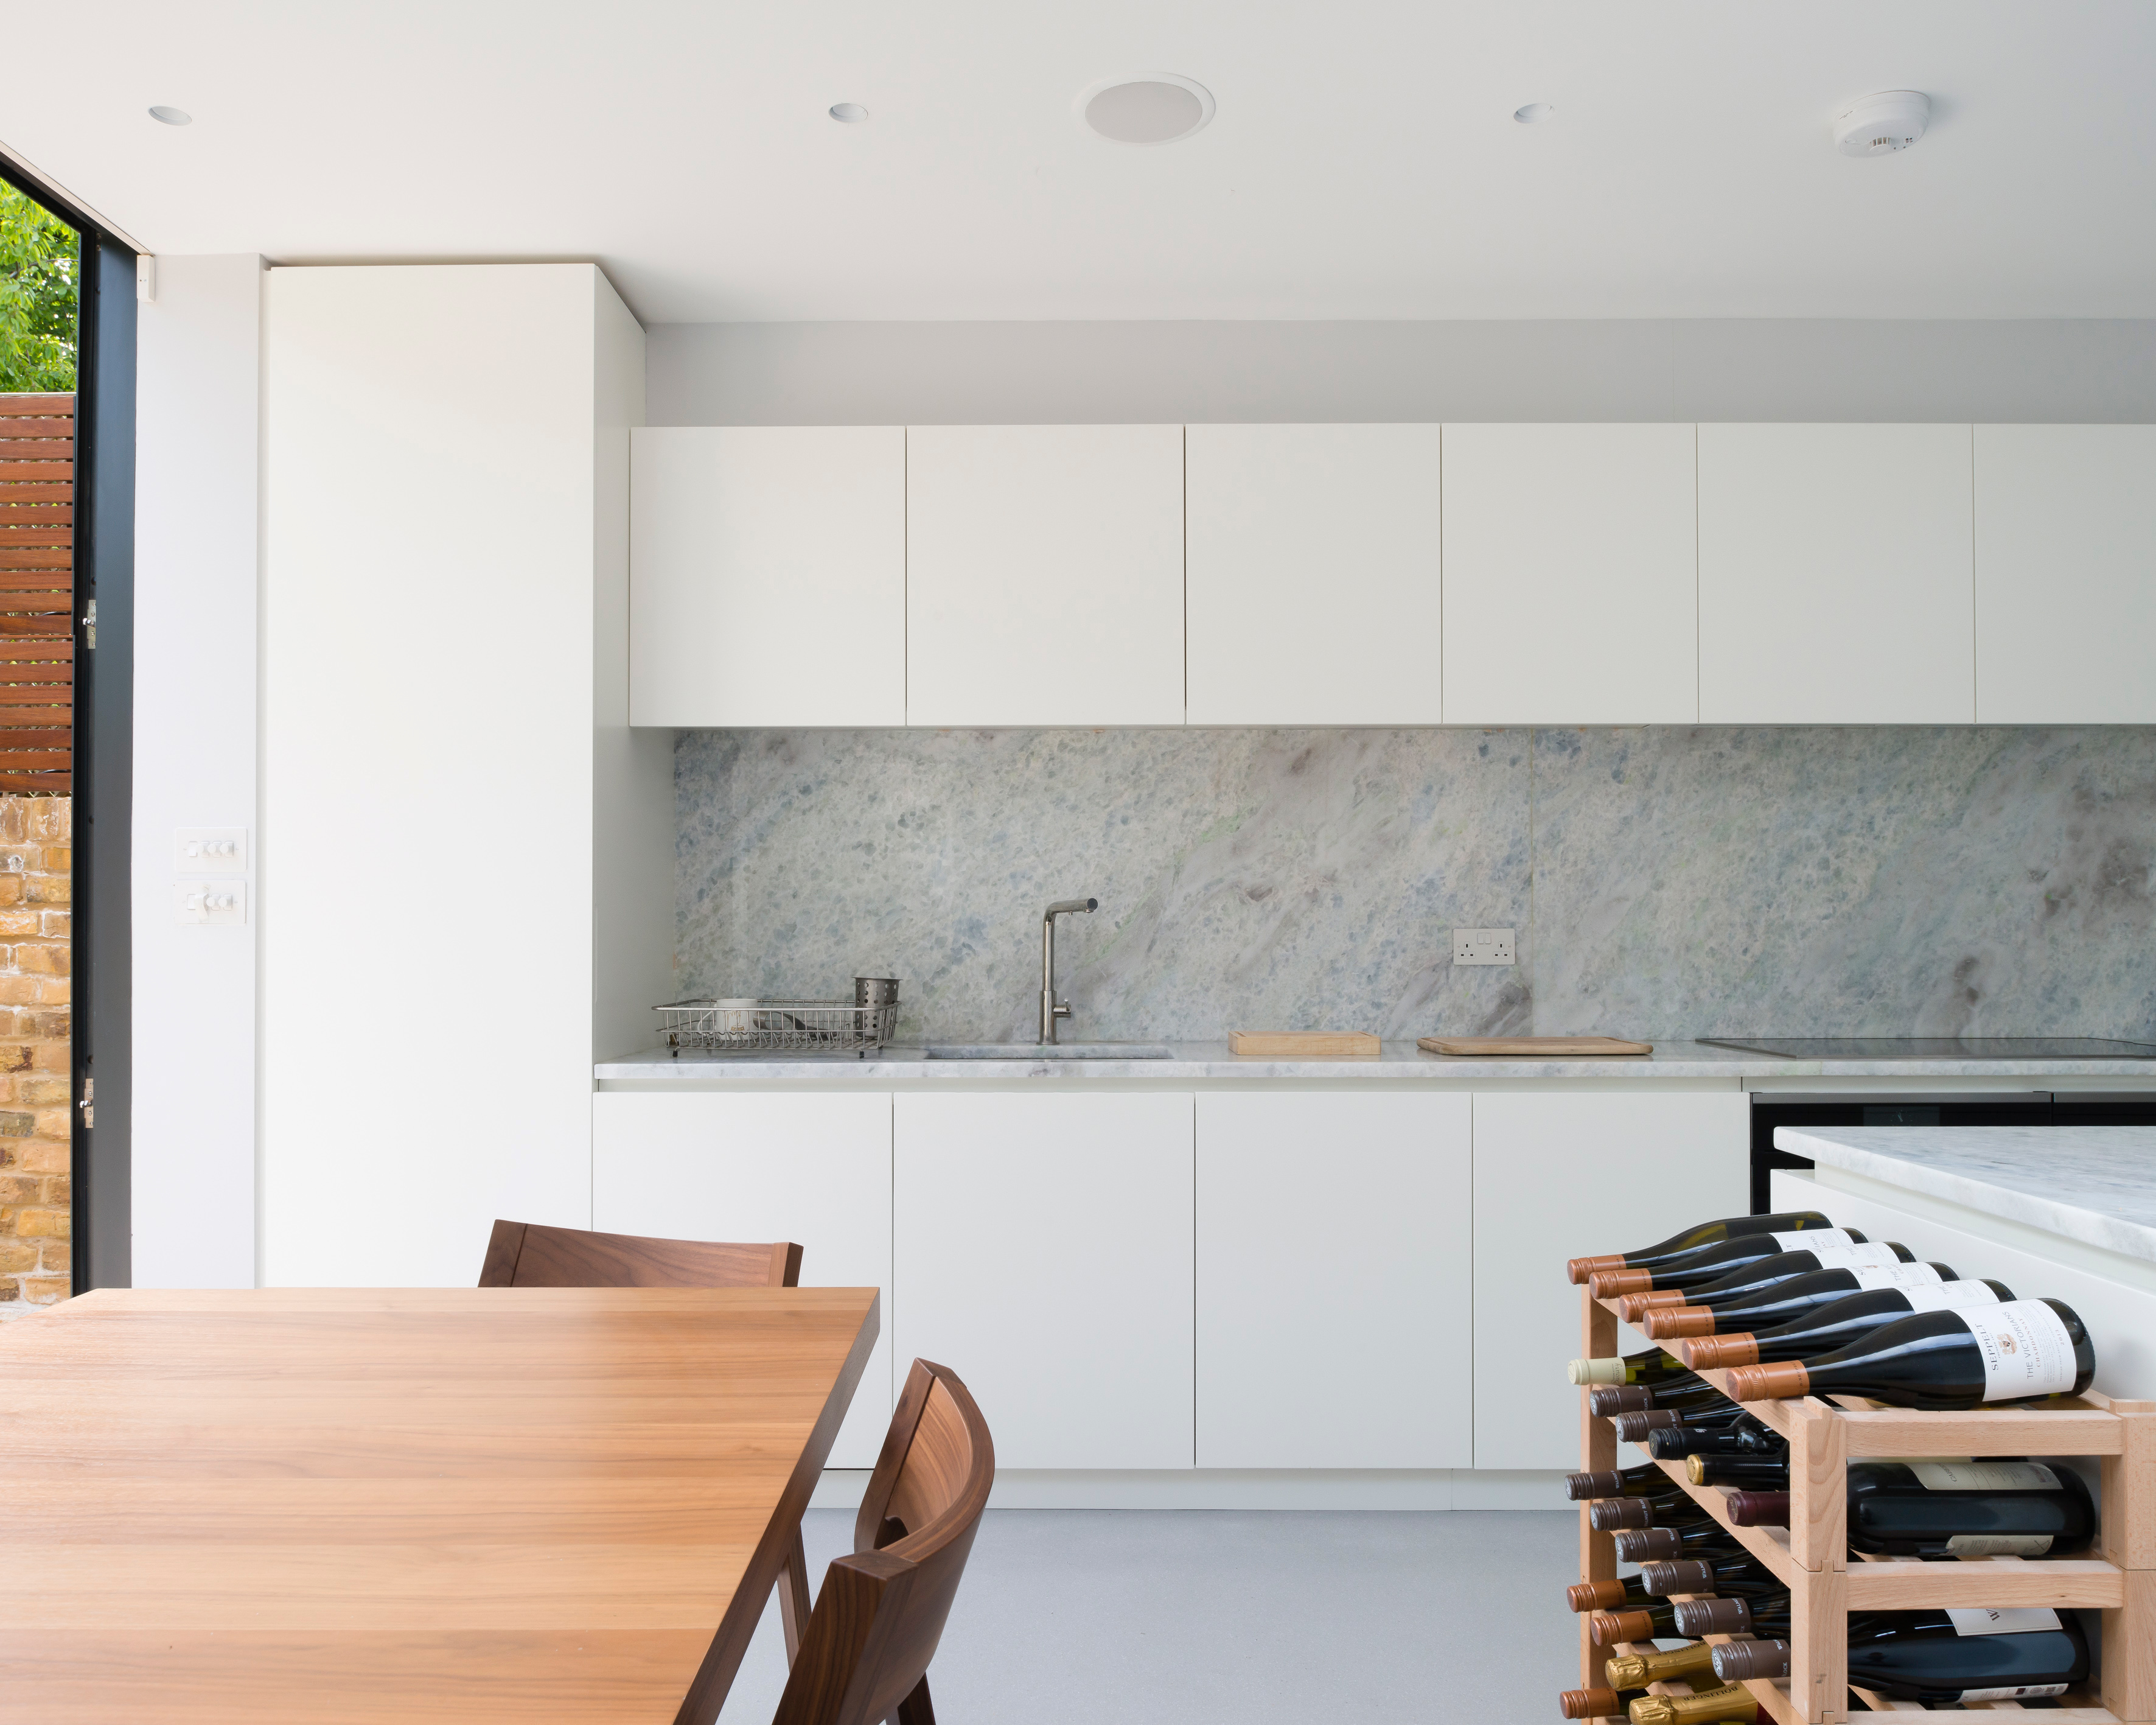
{"points": [[1238, 1488]]}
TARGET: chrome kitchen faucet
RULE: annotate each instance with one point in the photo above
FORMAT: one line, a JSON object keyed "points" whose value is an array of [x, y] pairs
{"points": [[1051, 1009]]}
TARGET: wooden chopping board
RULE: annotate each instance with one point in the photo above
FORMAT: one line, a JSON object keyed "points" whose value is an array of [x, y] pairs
{"points": [[1592, 1047], [1302, 1045]]}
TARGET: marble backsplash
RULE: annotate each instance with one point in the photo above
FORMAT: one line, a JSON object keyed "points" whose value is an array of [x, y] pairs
{"points": [[1664, 882]]}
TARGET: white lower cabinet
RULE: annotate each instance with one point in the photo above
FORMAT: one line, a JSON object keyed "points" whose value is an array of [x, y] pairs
{"points": [[812, 1169], [1044, 1254], [1334, 1280], [1559, 1176]]}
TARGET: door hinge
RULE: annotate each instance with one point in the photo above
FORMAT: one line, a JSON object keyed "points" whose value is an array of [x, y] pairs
{"points": [[88, 1103], [89, 626]]}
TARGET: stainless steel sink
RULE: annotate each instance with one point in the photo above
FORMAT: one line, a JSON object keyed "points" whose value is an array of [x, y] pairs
{"points": [[1049, 1051]]}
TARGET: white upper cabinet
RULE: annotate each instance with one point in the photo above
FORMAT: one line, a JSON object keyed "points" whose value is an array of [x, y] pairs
{"points": [[1044, 575], [2066, 574], [1836, 580], [1314, 593], [767, 576], [1571, 575]]}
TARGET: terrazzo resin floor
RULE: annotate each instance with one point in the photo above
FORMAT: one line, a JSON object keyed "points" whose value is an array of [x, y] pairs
{"points": [[1208, 1617], [1665, 883]]}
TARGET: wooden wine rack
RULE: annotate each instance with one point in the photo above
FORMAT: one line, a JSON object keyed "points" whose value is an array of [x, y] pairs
{"points": [[1811, 1555]]}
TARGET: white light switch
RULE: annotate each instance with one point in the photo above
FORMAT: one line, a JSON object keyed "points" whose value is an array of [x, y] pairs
{"points": [[209, 850], [1482, 946], [210, 900]]}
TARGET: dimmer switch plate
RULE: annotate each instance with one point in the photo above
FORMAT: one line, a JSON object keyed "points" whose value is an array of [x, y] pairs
{"points": [[210, 900], [1482, 946], [209, 850]]}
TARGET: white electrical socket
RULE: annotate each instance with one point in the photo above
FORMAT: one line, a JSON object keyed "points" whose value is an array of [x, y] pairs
{"points": [[1482, 946], [209, 850], [210, 900]]}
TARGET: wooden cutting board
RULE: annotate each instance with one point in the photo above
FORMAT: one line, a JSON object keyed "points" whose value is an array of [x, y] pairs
{"points": [[1546, 1046], [1302, 1045]]}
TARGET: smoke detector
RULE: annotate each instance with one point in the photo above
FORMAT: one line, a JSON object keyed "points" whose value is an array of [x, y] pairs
{"points": [[1880, 125], [1145, 107]]}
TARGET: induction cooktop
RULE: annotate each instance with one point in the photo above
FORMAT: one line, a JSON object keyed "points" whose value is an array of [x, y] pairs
{"points": [[1938, 1048]]}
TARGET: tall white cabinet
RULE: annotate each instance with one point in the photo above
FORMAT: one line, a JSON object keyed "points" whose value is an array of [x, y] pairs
{"points": [[1836, 580], [769, 584], [2066, 574], [1314, 593], [1044, 1254], [1043, 575], [1571, 575], [1559, 1176], [1332, 1229]]}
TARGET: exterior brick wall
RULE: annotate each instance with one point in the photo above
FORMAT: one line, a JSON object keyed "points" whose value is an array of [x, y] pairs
{"points": [[36, 855]]}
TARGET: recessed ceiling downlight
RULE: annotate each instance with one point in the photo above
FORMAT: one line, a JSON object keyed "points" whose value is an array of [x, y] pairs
{"points": [[172, 117], [848, 113], [1534, 114], [1881, 125], [1145, 107]]}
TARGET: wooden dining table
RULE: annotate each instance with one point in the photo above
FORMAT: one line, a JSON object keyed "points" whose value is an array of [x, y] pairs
{"points": [[412, 1505]]}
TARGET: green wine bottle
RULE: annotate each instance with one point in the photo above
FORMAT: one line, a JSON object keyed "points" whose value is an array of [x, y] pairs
{"points": [[1973, 1357]]}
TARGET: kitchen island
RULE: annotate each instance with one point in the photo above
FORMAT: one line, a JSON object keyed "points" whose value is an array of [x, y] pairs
{"points": [[2066, 1211]]}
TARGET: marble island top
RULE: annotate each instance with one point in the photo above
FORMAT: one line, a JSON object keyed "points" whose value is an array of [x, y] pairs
{"points": [[2094, 1184], [1208, 1061]]}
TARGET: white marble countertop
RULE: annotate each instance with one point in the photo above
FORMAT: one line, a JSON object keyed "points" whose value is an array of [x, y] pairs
{"points": [[1195, 1061], [2092, 1184]]}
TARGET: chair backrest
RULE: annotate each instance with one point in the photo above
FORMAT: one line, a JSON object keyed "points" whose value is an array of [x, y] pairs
{"points": [[881, 1611], [527, 1255]]}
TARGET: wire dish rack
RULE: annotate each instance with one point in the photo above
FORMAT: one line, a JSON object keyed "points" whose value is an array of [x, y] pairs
{"points": [[821, 1026]]}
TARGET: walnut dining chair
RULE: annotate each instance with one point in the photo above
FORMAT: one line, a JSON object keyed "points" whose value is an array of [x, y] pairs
{"points": [[881, 1611], [529, 1254]]}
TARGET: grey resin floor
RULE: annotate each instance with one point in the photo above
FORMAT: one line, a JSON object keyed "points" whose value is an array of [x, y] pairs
{"points": [[1191, 1617]]}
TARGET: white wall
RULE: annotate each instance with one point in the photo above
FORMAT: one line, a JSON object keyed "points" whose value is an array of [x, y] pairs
{"points": [[2078, 371], [198, 350], [431, 653]]}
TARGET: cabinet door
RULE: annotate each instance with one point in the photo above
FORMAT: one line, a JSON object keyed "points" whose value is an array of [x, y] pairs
{"points": [[1043, 1252], [1559, 1176], [1313, 556], [2066, 574], [1044, 575], [813, 1169], [1837, 575], [1334, 1280], [767, 575], [1571, 575]]}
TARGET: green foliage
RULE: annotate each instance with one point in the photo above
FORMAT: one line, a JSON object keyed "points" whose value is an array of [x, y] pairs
{"points": [[39, 275]]}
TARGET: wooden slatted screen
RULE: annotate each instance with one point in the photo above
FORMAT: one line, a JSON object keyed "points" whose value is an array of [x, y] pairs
{"points": [[37, 594]]}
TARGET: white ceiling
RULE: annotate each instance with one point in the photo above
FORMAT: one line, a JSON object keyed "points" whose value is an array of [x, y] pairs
{"points": [[1364, 163]]}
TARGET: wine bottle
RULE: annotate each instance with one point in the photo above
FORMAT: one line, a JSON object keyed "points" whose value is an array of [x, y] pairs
{"points": [[1673, 1664], [1643, 1623], [1757, 1509], [1785, 1301], [1705, 1416], [1585, 1596], [1838, 1324], [1679, 1509], [1646, 1367], [1692, 1240], [1709, 1263], [1750, 1473], [1744, 1435], [1605, 1400], [1763, 1615], [1646, 1481], [1993, 1507], [1711, 1707], [1958, 1655], [1706, 1539], [1768, 1273], [1971, 1357], [1594, 1703], [1727, 1578]]}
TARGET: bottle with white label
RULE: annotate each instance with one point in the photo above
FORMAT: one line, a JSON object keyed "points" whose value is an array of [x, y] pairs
{"points": [[1764, 1304], [1961, 1655], [1968, 1357], [1709, 1263], [1838, 1323], [1989, 1507]]}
